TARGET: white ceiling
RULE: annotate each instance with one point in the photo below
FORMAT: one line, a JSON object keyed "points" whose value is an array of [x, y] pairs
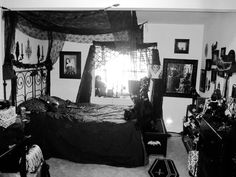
{"points": [[151, 11], [166, 5], [170, 17]]}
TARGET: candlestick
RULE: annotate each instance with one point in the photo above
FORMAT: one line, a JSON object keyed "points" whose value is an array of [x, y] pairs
{"points": [[17, 52], [38, 53], [42, 51], [21, 48]]}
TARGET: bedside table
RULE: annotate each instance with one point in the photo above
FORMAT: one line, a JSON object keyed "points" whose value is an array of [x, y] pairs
{"points": [[156, 140], [9, 159], [14, 144]]}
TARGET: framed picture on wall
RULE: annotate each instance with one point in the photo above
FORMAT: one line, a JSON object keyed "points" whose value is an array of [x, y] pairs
{"points": [[70, 65], [208, 64], [179, 76], [222, 51], [213, 75], [221, 73], [181, 46], [215, 56]]}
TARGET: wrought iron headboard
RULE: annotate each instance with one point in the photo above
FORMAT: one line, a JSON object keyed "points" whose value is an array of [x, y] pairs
{"points": [[30, 83]]}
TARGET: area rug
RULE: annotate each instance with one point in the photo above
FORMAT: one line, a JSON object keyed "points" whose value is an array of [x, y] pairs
{"points": [[163, 168]]}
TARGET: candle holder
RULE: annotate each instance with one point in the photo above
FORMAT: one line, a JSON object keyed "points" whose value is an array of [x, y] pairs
{"points": [[38, 54], [42, 56], [17, 52], [22, 54], [28, 49]]}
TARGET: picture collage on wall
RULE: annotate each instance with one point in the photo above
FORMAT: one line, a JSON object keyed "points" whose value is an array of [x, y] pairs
{"points": [[214, 66]]}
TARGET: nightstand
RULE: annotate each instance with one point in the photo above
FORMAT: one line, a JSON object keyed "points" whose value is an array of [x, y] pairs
{"points": [[156, 140], [9, 159], [14, 144]]}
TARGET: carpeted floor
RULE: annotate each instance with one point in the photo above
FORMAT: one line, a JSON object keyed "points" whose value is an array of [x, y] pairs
{"points": [[175, 151]]}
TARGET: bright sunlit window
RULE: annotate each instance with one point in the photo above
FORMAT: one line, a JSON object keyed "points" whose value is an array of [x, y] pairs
{"points": [[114, 75]]}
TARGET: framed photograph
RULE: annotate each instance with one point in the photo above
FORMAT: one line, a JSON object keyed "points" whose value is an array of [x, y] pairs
{"points": [[208, 64], [223, 51], [202, 85], [179, 76], [70, 65], [221, 73], [200, 104], [215, 56], [182, 46], [213, 75]]}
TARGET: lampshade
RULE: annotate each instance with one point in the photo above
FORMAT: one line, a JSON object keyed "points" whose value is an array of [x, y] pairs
{"points": [[155, 57]]}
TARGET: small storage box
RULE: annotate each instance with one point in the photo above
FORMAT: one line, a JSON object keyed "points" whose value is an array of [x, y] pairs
{"points": [[156, 141]]}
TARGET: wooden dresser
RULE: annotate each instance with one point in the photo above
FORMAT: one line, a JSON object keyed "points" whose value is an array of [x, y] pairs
{"points": [[215, 153]]}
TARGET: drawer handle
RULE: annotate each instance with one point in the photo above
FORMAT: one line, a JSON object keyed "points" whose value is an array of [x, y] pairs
{"points": [[154, 143]]}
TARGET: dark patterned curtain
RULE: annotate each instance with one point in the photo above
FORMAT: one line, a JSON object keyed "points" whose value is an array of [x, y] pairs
{"points": [[10, 25], [157, 88], [85, 87]]}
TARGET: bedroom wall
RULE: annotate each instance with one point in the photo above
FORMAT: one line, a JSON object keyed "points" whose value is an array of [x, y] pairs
{"points": [[22, 39], [220, 28], [68, 88], [174, 108]]}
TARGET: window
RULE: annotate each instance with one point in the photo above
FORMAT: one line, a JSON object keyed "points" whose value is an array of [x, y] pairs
{"points": [[114, 70]]}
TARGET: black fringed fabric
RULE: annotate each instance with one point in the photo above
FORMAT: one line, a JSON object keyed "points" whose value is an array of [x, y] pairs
{"points": [[80, 22], [10, 25], [157, 98], [85, 87]]}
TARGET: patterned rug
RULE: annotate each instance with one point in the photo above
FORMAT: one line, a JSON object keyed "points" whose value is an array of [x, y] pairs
{"points": [[163, 168]]}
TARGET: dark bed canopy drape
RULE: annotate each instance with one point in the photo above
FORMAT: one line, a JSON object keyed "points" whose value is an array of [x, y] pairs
{"points": [[60, 26], [119, 30]]}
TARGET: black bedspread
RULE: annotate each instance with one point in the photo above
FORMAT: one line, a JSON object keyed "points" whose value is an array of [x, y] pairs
{"points": [[81, 135]]}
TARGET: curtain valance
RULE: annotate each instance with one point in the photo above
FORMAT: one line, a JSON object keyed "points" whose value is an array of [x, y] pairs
{"points": [[125, 46]]}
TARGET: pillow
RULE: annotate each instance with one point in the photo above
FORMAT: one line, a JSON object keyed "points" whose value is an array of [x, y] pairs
{"points": [[61, 102], [52, 102], [34, 105]]}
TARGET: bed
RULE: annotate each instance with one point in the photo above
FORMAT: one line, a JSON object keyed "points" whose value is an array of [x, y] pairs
{"points": [[83, 133]]}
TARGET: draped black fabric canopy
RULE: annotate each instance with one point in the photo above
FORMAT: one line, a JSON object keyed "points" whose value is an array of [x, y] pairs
{"points": [[66, 22], [82, 22]]}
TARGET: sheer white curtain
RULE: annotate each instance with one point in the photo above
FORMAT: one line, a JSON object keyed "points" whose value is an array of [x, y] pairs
{"points": [[117, 68]]}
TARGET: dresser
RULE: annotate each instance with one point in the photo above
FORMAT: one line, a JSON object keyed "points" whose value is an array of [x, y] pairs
{"points": [[216, 151]]}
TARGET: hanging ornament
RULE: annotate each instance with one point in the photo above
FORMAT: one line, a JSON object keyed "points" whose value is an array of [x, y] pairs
{"points": [[28, 49]]}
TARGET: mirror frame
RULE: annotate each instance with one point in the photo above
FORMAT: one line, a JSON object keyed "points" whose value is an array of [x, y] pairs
{"points": [[166, 63]]}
